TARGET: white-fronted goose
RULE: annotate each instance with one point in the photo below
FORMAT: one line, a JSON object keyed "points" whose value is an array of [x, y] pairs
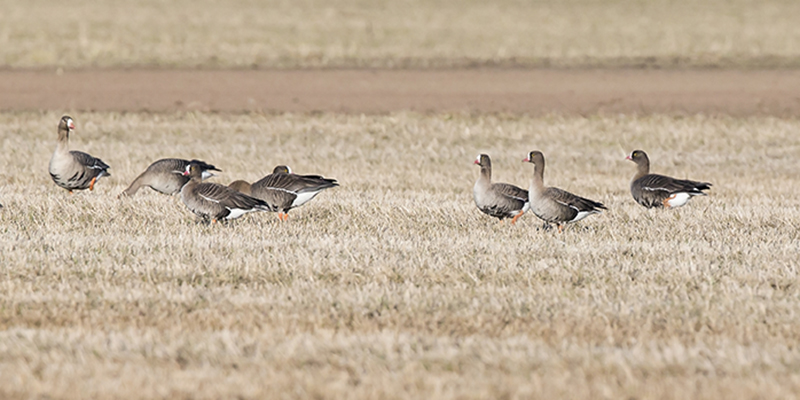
{"points": [[286, 190], [500, 200], [651, 190], [166, 176], [279, 199], [74, 170], [214, 201], [554, 205]]}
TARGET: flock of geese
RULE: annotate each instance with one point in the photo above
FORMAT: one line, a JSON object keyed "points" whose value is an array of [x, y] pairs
{"points": [[554, 205], [283, 190], [278, 192]]}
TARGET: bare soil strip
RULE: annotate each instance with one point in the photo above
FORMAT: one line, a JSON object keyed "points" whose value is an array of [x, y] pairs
{"points": [[532, 91]]}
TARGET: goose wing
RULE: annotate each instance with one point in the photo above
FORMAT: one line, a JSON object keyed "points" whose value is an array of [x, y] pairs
{"points": [[88, 161], [229, 198], [296, 183], [668, 185], [577, 203]]}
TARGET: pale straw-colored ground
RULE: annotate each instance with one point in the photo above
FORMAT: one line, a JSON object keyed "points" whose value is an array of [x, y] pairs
{"points": [[394, 285], [389, 33]]}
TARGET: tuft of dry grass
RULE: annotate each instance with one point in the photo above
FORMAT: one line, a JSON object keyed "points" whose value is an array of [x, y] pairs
{"points": [[410, 33], [394, 285]]}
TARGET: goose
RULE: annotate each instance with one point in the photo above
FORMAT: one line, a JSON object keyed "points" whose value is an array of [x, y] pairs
{"points": [[166, 176], [499, 200], [74, 170], [285, 189], [214, 201], [651, 190], [554, 205]]}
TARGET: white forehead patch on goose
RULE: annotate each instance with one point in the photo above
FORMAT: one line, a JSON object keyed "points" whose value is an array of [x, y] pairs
{"points": [[70, 123], [478, 159]]}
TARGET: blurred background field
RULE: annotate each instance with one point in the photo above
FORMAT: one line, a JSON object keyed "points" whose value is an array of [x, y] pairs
{"points": [[397, 34], [394, 285]]}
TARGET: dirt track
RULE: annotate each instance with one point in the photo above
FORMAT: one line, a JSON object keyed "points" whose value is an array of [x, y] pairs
{"points": [[533, 91]]}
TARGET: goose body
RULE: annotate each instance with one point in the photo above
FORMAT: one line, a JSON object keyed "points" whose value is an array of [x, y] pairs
{"points": [[167, 176], [74, 170], [554, 205], [241, 186], [284, 189], [659, 191], [499, 200], [214, 201]]}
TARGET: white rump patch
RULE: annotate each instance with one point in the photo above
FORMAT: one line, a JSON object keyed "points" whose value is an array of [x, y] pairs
{"points": [[679, 199], [303, 198], [583, 214], [237, 212]]}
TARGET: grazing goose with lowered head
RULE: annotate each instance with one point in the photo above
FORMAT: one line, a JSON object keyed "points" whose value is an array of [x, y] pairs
{"points": [[166, 176], [651, 190], [74, 170], [214, 201], [554, 205], [284, 189], [499, 200]]}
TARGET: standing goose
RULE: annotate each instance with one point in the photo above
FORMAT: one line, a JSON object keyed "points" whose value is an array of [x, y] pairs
{"points": [[280, 200], [74, 170], [554, 205], [500, 200], [214, 201], [166, 176], [285, 190], [651, 190]]}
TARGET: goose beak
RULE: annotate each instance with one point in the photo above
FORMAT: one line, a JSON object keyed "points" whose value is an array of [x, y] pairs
{"points": [[476, 162], [71, 125], [628, 157], [185, 173], [527, 159]]}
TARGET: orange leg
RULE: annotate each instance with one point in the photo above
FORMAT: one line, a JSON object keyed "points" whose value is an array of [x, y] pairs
{"points": [[516, 217], [91, 185], [213, 221], [560, 228], [69, 191], [280, 215], [285, 216]]}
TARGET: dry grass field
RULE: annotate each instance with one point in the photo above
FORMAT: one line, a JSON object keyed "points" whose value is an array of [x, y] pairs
{"points": [[417, 33], [394, 285]]}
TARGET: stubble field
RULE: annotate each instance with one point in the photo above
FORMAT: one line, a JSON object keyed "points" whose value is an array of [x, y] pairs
{"points": [[394, 285]]}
